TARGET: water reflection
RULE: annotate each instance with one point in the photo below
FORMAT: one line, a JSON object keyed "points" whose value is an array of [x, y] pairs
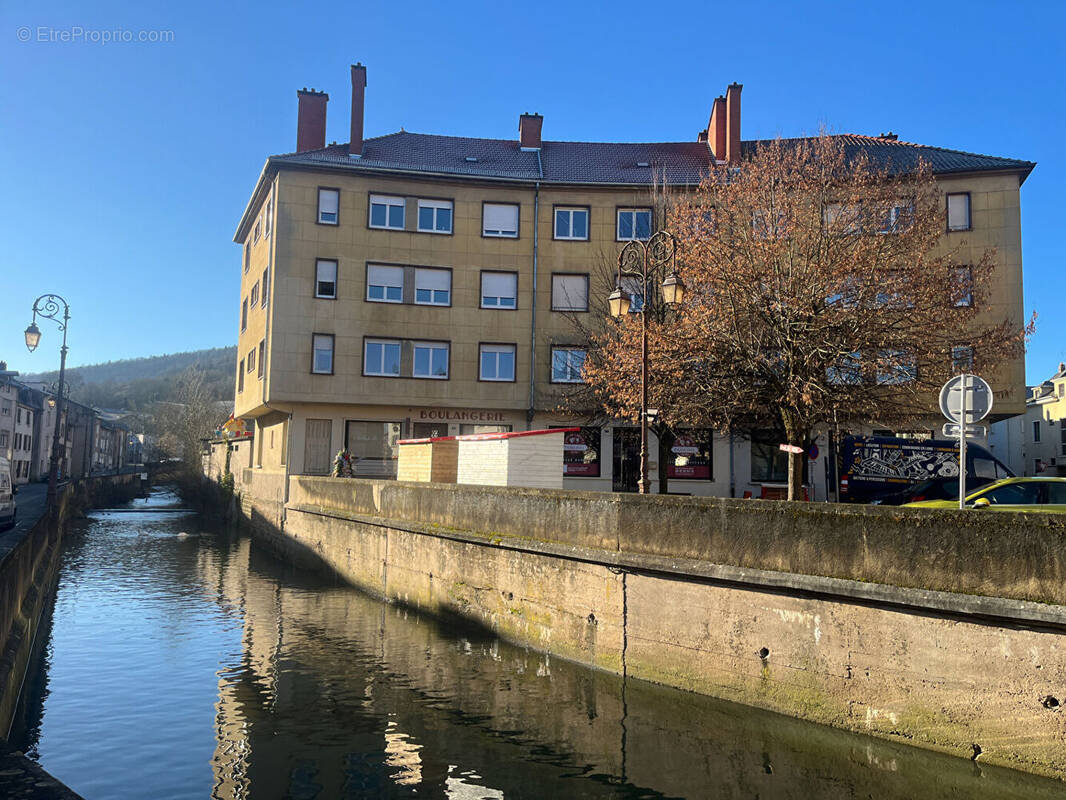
{"points": [[197, 665]]}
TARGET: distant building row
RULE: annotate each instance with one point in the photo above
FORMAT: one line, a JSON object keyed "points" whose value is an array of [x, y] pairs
{"points": [[91, 442], [1034, 443]]}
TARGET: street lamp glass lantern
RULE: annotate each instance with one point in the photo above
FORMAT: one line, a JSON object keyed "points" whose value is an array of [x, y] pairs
{"points": [[33, 336], [673, 290], [618, 302]]}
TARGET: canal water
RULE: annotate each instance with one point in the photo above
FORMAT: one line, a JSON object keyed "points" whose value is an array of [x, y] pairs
{"points": [[179, 660]]}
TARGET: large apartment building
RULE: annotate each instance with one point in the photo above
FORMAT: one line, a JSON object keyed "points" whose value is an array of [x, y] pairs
{"points": [[413, 285]]}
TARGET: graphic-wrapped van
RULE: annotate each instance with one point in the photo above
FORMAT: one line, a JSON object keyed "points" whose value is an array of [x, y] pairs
{"points": [[873, 467]]}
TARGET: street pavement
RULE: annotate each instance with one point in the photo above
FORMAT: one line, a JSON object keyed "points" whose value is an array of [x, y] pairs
{"points": [[30, 502]]}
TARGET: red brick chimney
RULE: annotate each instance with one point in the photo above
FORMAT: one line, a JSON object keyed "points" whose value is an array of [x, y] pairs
{"points": [[715, 134], [355, 148], [732, 129], [529, 127], [311, 120]]}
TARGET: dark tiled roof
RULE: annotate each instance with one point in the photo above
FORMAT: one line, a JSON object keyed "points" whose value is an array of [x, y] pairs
{"points": [[603, 162], [900, 157]]}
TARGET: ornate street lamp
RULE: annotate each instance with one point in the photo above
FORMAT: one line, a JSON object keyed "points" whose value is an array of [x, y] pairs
{"points": [[48, 306], [644, 263]]}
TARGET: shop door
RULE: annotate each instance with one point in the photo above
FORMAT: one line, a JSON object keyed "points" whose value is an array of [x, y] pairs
{"points": [[316, 447], [625, 472]]}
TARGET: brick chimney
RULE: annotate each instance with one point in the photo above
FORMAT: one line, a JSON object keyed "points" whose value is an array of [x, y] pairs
{"points": [[529, 127], [355, 148], [732, 128], [311, 120], [715, 133]]}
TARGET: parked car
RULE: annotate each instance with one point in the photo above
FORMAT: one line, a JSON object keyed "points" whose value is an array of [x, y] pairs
{"points": [[7, 496], [1012, 494], [885, 469], [935, 489]]}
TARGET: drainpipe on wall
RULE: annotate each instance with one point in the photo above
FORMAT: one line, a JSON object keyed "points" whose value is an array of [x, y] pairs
{"points": [[533, 303]]}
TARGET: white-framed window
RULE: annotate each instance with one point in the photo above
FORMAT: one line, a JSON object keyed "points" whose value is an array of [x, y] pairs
{"points": [[266, 286], [898, 218], [572, 223], [381, 357], [329, 201], [963, 278], [258, 230], [384, 284], [262, 357], [253, 296], [634, 223], [433, 287], [267, 216], [896, 367], [244, 315], [570, 292], [1036, 430], [499, 290], [567, 363], [322, 353], [386, 212], [326, 278], [961, 358], [499, 220], [240, 377], [496, 362], [632, 287], [435, 216], [250, 360], [431, 360], [959, 211]]}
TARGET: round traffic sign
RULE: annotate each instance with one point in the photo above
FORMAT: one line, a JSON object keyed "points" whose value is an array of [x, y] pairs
{"points": [[977, 394]]}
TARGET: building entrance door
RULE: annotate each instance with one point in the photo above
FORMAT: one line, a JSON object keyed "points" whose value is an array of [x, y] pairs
{"points": [[316, 447], [625, 470]]}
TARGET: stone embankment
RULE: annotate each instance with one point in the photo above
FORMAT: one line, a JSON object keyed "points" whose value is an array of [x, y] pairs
{"points": [[936, 629], [29, 555]]}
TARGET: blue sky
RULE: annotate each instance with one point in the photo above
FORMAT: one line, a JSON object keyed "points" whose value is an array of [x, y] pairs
{"points": [[126, 166]]}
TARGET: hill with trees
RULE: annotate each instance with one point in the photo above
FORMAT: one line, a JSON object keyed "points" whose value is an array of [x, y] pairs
{"points": [[134, 384]]}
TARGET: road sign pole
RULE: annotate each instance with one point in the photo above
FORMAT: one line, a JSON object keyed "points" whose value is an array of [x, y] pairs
{"points": [[964, 421]]}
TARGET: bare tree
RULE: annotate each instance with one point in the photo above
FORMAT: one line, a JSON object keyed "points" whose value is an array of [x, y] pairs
{"points": [[181, 425], [817, 286]]}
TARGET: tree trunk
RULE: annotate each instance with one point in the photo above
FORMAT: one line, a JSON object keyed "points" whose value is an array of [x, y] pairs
{"points": [[796, 436]]}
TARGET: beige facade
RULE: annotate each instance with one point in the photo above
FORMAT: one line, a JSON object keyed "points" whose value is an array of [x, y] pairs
{"points": [[305, 412], [1040, 444]]}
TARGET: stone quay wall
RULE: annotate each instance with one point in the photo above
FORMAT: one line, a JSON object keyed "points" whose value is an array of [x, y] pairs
{"points": [[936, 629], [28, 561]]}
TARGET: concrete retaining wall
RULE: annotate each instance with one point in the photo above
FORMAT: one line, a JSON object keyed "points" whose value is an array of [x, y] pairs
{"points": [[932, 628], [28, 561]]}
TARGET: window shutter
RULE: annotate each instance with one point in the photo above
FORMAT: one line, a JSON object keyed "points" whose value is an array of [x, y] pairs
{"points": [[501, 217], [440, 279], [385, 276], [327, 271], [570, 293], [498, 284], [327, 201], [958, 211]]}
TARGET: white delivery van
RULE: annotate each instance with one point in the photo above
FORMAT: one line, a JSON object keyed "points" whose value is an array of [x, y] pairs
{"points": [[7, 495]]}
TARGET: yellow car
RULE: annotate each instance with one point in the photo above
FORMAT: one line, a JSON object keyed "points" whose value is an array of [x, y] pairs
{"points": [[1011, 494]]}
